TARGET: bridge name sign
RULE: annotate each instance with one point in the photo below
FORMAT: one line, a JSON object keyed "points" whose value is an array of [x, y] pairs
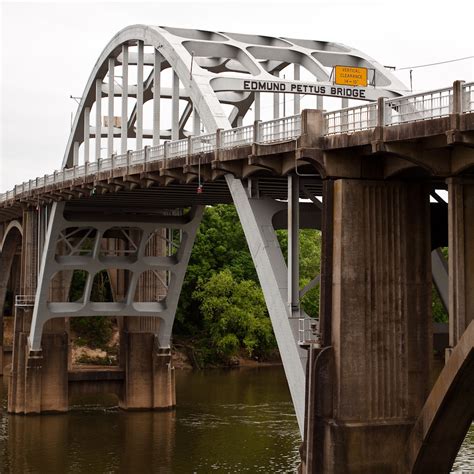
{"points": [[301, 88]]}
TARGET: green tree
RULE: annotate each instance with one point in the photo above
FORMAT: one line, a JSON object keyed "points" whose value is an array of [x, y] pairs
{"points": [[235, 316], [220, 244], [310, 263]]}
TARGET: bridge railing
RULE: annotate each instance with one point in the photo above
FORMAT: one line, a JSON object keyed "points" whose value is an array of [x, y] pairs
{"points": [[120, 160], [428, 105], [406, 109], [178, 148], [24, 300], [157, 152], [203, 143], [468, 96], [281, 129], [352, 119], [235, 137]]}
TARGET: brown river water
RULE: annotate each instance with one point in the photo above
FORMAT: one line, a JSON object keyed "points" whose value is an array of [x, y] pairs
{"points": [[232, 421]]}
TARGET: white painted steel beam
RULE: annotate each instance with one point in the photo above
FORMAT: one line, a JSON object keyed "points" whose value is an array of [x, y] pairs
{"points": [[156, 97], [256, 218], [98, 118], [94, 262], [124, 120], [139, 119], [110, 118]]}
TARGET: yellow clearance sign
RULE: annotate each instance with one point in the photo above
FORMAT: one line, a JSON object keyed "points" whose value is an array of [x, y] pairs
{"points": [[350, 76]]}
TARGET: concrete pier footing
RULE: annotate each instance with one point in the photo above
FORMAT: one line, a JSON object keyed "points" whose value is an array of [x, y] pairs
{"points": [[149, 375]]}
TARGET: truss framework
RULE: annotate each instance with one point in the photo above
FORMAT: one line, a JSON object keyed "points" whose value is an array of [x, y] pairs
{"points": [[94, 261]]}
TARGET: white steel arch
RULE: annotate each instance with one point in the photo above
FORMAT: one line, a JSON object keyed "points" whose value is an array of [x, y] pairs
{"points": [[215, 69], [11, 225]]}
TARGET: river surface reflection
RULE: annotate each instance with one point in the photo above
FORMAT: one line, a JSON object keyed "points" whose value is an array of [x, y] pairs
{"points": [[226, 421]]}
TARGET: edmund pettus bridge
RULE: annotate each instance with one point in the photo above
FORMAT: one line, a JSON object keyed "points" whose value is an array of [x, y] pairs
{"points": [[367, 392]]}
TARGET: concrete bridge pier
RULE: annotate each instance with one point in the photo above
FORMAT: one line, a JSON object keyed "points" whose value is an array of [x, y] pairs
{"points": [[39, 379], [149, 382], [461, 257], [371, 379]]}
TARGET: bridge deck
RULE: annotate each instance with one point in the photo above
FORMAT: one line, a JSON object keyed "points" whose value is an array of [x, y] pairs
{"points": [[168, 173]]}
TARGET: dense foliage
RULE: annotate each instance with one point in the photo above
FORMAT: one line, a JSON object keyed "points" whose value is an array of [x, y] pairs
{"points": [[222, 312]]}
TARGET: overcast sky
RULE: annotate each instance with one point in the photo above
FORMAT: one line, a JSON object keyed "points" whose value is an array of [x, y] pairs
{"points": [[49, 49]]}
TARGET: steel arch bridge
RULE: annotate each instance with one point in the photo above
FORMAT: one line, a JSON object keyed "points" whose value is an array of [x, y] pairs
{"points": [[180, 98], [213, 76]]}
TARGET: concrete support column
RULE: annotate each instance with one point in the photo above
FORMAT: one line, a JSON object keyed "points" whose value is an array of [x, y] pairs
{"points": [[149, 375], [38, 381], [17, 389], [372, 388], [461, 256]]}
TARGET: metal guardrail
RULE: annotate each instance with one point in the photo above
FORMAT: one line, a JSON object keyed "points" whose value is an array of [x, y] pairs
{"points": [[468, 96], [429, 105], [308, 332], [286, 128], [24, 300], [235, 137], [352, 119], [405, 109]]}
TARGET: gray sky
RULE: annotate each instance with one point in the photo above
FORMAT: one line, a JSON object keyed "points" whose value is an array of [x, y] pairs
{"points": [[49, 49]]}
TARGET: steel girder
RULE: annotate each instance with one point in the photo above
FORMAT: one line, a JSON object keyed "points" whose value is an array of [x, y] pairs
{"points": [[82, 249]]}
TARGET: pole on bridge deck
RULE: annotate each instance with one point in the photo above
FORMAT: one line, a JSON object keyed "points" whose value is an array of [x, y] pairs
{"points": [[297, 102], [196, 122], [156, 96], [139, 119], [75, 154], [276, 101], [110, 124], [257, 106], [124, 121]]}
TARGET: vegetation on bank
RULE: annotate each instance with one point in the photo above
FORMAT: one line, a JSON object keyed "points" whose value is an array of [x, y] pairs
{"points": [[222, 313]]}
